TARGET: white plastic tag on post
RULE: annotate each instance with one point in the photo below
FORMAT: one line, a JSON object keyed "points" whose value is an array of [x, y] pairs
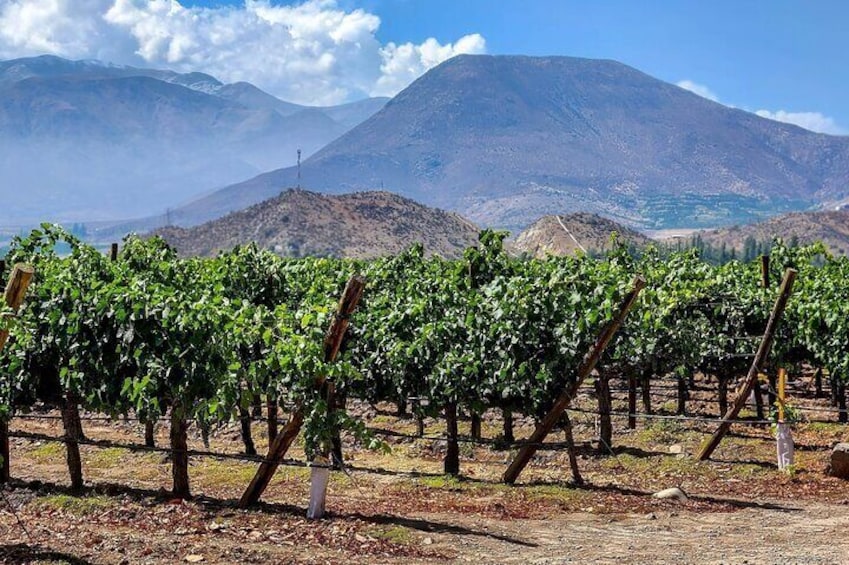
{"points": [[786, 450], [319, 477]]}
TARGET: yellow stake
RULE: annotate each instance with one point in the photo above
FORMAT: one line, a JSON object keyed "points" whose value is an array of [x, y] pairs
{"points": [[782, 381]]}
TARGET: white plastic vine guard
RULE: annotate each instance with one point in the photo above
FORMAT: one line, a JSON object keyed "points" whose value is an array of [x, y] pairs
{"points": [[784, 445], [319, 477]]}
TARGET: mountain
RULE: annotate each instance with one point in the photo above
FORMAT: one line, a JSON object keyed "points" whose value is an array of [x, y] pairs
{"points": [[831, 228], [85, 140], [507, 139], [359, 225], [569, 234]]}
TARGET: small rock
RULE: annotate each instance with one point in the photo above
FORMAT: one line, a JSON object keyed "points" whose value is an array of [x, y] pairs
{"points": [[839, 466], [427, 541], [673, 493], [676, 449], [651, 516], [194, 558]]}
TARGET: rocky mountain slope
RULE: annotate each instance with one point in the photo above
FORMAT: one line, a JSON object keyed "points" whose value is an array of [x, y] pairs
{"points": [[299, 223], [84, 140], [573, 233], [507, 139], [832, 228]]}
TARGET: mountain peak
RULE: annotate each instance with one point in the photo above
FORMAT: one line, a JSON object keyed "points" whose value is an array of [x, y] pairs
{"points": [[507, 139]]}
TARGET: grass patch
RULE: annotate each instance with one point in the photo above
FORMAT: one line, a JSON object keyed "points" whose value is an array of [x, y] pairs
{"points": [[831, 428], [662, 431], [395, 534], [108, 457], [79, 506], [48, 452], [224, 473], [555, 493], [443, 482]]}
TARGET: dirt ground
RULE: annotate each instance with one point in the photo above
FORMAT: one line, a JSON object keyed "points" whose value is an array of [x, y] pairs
{"points": [[399, 508]]}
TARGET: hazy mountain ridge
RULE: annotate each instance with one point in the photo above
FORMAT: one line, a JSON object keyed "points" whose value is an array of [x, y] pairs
{"points": [[359, 225], [508, 139], [568, 234], [831, 228], [84, 140]]}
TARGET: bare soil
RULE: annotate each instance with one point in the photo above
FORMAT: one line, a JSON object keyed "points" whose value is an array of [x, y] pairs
{"points": [[399, 508]]}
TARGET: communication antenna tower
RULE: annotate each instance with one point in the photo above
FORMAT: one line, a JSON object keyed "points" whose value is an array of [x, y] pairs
{"points": [[299, 169]]}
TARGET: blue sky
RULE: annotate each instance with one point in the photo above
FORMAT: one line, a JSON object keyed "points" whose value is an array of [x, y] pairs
{"points": [[786, 58], [765, 54]]}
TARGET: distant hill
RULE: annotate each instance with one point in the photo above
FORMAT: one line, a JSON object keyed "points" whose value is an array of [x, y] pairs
{"points": [[300, 223], [565, 235], [85, 140], [832, 228], [507, 139]]}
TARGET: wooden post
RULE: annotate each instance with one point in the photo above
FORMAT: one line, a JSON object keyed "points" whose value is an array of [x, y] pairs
{"points": [[73, 435], [765, 271], [417, 410], [451, 465], [723, 393], [475, 425], [113, 252], [632, 400], [757, 365], [843, 415], [179, 452], [245, 429], [507, 418], [605, 428], [782, 383], [332, 342], [570, 446], [14, 297], [759, 399], [565, 398], [833, 388], [818, 383], [149, 435], [682, 395], [645, 388]]}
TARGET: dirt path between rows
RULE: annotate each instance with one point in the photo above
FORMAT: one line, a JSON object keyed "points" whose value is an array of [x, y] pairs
{"points": [[781, 533]]}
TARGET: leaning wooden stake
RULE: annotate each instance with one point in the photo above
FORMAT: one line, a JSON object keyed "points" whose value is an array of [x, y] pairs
{"points": [[14, 297], [757, 366], [332, 342], [565, 398]]}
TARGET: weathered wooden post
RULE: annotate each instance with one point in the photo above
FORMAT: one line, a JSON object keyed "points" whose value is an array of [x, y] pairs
{"points": [[565, 398], [765, 271], [632, 399], [332, 342], [757, 365], [451, 464], [14, 297], [605, 407]]}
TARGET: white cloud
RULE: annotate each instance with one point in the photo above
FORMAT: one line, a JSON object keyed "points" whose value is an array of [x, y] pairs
{"points": [[699, 89], [402, 64], [813, 121], [312, 52]]}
